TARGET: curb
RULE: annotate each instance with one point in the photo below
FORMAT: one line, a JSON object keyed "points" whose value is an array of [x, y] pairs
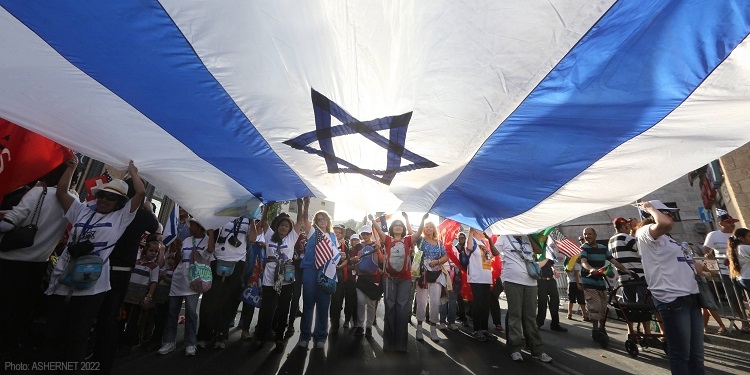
{"points": [[727, 342]]}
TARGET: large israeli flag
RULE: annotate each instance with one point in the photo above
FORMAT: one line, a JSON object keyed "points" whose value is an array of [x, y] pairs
{"points": [[515, 114]]}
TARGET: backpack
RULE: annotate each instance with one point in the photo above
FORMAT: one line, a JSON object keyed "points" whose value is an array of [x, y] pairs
{"points": [[199, 272], [367, 265], [82, 272], [398, 258]]}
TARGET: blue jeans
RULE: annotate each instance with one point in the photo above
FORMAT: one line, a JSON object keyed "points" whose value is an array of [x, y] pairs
{"points": [[313, 297], [191, 318], [448, 309], [683, 329]]}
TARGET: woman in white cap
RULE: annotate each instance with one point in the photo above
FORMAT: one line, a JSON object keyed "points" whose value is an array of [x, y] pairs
{"points": [[95, 231], [670, 274]]}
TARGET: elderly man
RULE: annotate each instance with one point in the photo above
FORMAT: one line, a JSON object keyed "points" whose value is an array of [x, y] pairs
{"points": [[593, 260]]}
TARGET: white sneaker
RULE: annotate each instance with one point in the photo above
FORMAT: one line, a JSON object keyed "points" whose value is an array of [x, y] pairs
{"points": [[302, 344], [190, 351], [419, 334], [320, 345], [453, 327], [543, 357], [516, 356], [168, 348], [433, 334], [201, 344], [441, 326], [220, 344]]}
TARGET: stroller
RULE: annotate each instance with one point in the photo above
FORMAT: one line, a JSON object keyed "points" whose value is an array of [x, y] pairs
{"points": [[634, 312]]}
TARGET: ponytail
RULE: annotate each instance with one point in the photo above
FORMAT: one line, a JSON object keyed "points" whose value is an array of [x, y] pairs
{"points": [[732, 242]]}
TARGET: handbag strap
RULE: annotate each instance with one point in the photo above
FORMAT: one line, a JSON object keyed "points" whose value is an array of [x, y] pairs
{"points": [[519, 252], [38, 209], [688, 257]]}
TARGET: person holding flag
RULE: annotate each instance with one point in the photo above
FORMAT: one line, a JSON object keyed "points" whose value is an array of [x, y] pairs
{"points": [[319, 250]]}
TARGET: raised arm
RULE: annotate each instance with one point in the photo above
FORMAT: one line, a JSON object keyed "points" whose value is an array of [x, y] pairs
{"points": [[65, 199], [140, 189], [409, 232], [494, 249], [664, 223], [418, 233], [264, 218], [377, 228], [302, 221]]}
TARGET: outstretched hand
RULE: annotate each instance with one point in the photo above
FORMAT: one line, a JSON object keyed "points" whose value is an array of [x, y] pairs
{"points": [[72, 161]]}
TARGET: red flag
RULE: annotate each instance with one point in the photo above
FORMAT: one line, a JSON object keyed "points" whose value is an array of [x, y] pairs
{"points": [[564, 245], [448, 230], [26, 156], [323, 248]]}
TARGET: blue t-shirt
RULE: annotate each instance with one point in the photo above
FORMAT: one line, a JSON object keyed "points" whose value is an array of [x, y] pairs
{"points": [[430, 251]]}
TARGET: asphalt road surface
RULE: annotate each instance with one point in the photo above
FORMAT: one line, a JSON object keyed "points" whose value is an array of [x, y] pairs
{"points": [[573, 352]]}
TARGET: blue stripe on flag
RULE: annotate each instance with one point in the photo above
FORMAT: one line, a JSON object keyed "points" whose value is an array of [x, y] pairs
{"points": [[170, 230], [635, 66], [136, 51]]}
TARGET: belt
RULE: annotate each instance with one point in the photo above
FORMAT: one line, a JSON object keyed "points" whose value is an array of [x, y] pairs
{"points": [[548, 278], [123, 269]]}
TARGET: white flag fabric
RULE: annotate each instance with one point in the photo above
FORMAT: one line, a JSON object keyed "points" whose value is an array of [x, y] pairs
{"points": [[514, 115]]}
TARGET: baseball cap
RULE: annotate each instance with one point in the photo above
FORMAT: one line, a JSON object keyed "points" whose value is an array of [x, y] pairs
{"points": [[354, 237], [366, 229], [728, 218], [619, 221]]}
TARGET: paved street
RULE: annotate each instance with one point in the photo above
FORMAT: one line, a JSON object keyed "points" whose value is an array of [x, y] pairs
{"points": [[456, 353]]}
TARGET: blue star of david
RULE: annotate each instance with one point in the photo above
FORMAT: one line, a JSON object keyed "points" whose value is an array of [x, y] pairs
{"points": [[324, 109]]}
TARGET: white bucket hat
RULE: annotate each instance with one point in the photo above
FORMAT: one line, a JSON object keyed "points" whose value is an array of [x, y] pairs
{"points": [[115, 186]]}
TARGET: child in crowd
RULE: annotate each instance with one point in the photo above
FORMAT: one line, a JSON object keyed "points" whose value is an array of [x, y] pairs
{"points": [[161, 296], [140, 293]]}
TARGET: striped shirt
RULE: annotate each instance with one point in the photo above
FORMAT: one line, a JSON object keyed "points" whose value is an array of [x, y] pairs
{"points": [[624, 248], [596, 258]]}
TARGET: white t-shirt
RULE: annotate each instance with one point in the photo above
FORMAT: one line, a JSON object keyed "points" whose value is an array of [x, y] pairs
{"points": [[103, 230], [225, 251], [514, 268], [480, 268], [180, 281], [717, 240], [666, 267], [272, 249], [743, 256]]}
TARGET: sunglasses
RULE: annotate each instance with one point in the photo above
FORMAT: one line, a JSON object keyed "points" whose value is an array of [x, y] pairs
{"points": [[321, 219], [107, 196]]}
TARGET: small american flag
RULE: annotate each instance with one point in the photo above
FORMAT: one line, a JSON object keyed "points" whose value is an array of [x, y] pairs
{"points": [[323, 248], [564, 244]]}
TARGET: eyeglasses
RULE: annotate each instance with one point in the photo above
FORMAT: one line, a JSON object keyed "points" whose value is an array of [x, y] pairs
{"points": [[321, 218], [107, 196]]}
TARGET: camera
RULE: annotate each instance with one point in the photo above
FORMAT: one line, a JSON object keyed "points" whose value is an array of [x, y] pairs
{"points": [[221, 239], [234, 241], [80, 248]]}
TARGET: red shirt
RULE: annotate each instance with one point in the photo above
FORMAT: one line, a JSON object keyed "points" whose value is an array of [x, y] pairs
{"points": [[405, 273]]}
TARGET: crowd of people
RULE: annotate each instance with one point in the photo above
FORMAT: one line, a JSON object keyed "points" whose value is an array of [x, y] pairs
{"points": [[138, 286]]}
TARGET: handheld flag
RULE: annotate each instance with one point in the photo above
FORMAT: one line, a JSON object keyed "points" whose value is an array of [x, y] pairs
{"points": [[323, 247]]}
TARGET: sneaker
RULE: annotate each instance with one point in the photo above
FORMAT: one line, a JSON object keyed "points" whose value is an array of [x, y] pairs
{"points": [[544, 357], [302, 344], [368, 332], [201, 344], [190, 351], [479, 336], [359, 331], [489, 335], [441, 326], [321, 345], [517, 356], [168, 348], [419, 334], [220, 344], [453, 327], [246, 334], [433, 334]]}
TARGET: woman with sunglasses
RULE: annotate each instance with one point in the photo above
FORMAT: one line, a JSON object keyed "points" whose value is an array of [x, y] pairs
{"points": [[313, 298], [670, 274], [98, 230]]}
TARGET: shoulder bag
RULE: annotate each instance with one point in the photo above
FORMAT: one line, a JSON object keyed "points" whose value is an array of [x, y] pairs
{"points": [[532, 267], [23, 237]]}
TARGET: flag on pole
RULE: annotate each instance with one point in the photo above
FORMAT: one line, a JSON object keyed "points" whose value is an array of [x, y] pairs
{"points": [[323, 247], [564, 244], [170, 230]]}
